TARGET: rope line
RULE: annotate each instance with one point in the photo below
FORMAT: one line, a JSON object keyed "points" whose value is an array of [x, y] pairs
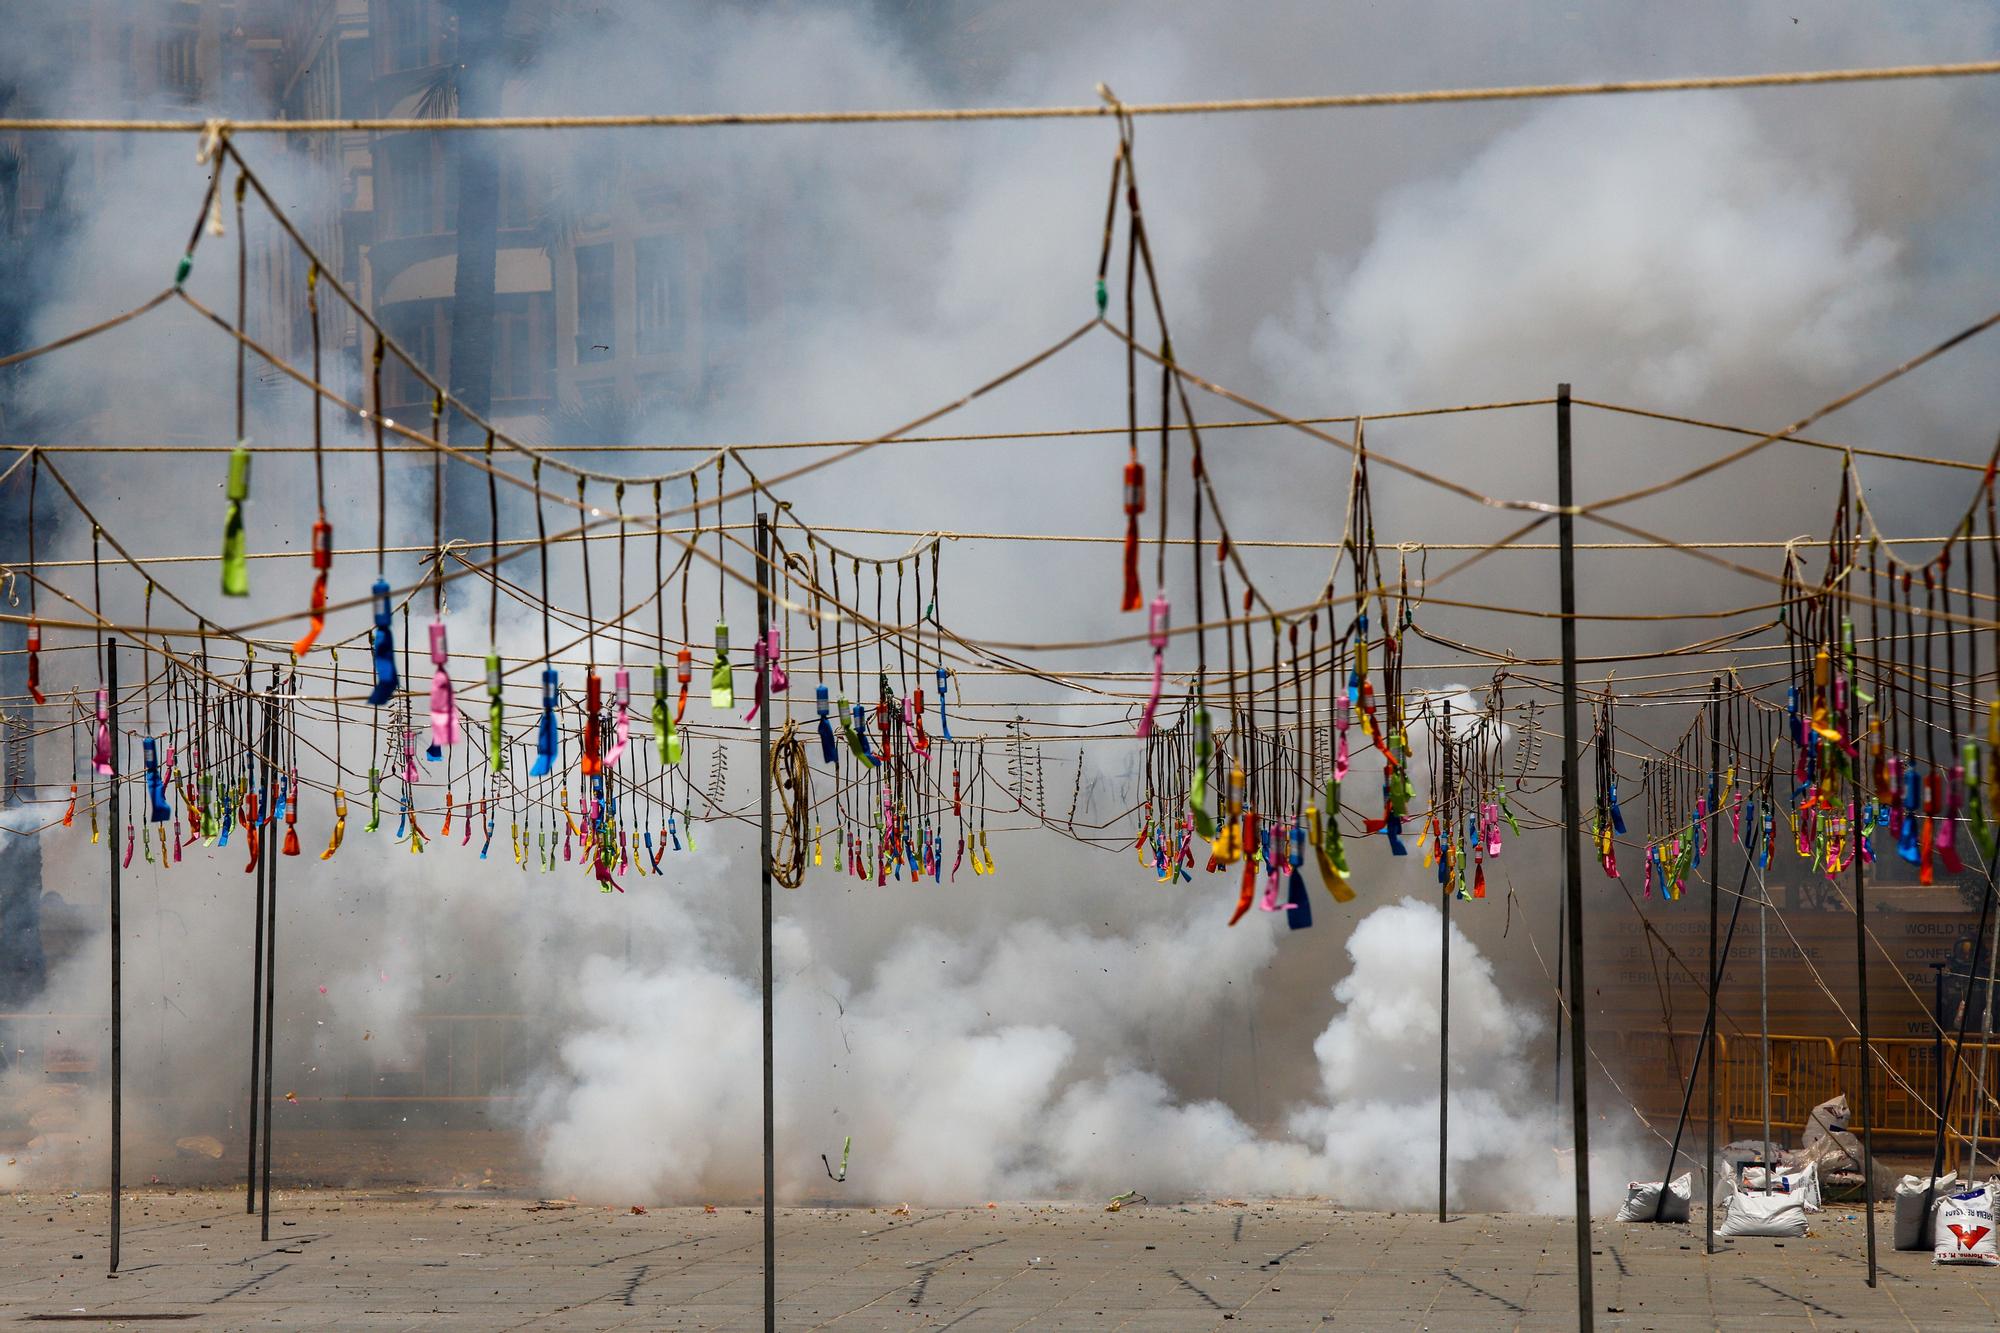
{"points": [[220, 129]]}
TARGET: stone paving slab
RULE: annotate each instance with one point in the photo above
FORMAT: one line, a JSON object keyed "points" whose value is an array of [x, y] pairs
{"points": [[481, 1260]]}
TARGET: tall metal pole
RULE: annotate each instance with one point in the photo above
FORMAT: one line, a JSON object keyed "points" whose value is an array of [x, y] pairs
{"points": [[1444, 1002], [1764, 1152], [269, 847], [256, 997], [1937, 1064], [1701, 1047], [1867, 1053], [1985, 1041], [117, 963], [1579, 1080], [1714, 960], [764, 862], [1947, 1088]]}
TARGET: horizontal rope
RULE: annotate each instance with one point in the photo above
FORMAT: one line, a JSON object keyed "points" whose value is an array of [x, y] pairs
{"points": [[222, 127]]}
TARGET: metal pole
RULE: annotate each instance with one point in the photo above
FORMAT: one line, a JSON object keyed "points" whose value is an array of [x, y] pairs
{"points": [[1579, 1081], [1985, 1041], [117, 964], [1701, 1045], [1444, 1003], [1764, 1009], [1562, 971], [1947, 1089], [1937, 1063], [1866, 1057], [256, 1002], [764, 862], [1714, 960], [269, 847]]}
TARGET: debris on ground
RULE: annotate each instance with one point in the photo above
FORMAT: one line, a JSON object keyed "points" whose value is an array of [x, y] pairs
{"points": [[1118, 1202]]}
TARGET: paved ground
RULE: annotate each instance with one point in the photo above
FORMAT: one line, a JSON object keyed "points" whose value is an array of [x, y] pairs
{"points": [[479, 1260]]}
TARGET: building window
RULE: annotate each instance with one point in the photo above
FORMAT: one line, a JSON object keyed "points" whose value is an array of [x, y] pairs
{"points": [[418, 328], [595, 315], [411, 26], [411, 194], [420, 186], [179, 68], [517, 197], [355, 96], [657, 264], [600, 401], [523, 346]]}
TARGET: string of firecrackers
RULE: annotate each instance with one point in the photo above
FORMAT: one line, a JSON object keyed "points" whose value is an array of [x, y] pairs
{"points": [[1455, 839], [898, 831]]}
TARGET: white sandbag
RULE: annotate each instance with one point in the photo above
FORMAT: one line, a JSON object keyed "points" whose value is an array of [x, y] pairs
{"points": [[1965, 1229], [1642, 1198], [1804, 1183], [1913, 1229], [1782, 1215], [1830, 1116]]}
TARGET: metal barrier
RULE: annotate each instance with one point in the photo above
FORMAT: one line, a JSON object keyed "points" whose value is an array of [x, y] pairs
{"points": [[437, 1058], [1909, 1112], [1804, 1073], [440, 1058], [1657, 1064], [65, 1047]]}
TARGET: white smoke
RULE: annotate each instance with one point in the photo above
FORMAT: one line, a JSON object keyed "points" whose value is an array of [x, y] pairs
{"points": [[1669, 246], [1017, 1043], [1028, 1064]]}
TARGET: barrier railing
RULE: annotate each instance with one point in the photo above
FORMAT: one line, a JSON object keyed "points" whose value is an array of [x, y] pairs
{"points": [[1804, 1072], [1657, 1063], [58, 1046], [1909, 1112], [435, 1058], [438, 1058]]}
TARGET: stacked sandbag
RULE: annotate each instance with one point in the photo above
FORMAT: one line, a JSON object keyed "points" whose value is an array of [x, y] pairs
{"points": [[1965, 1228], [1780, 1215], [1803, 1182], [1643, 1203], [1914, 1221]]}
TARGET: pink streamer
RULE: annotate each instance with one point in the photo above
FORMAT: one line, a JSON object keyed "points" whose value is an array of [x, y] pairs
{"points": [[622, 729], [444, 707], [100, 752]]}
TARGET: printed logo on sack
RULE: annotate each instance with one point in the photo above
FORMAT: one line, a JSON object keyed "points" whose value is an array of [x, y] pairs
{"points": [[1968, 1236]]}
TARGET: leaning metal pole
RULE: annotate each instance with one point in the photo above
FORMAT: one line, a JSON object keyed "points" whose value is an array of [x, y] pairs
{"points": [[1947, 1085], [1579, 1081], [1701, 1047], [764, 824], [1985, 1042]]}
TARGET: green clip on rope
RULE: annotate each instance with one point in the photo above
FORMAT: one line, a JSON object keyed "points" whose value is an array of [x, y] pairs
{"points": [[235, 568], [721, 680], [1204, 750], [495, 720]]}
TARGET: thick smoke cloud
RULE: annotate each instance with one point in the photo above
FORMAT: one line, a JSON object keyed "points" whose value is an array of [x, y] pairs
{"points": [[1069, 1027]]}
